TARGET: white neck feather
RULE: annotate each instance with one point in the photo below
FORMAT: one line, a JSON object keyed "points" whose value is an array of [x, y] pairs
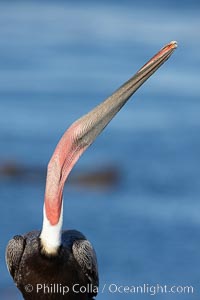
{"points": [[51, 234]]}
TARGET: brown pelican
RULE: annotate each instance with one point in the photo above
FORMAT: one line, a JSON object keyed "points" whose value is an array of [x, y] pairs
{"points": [[56, 264]]}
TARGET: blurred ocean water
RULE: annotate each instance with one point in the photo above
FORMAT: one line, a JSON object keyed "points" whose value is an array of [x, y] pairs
{"points": [[57, 61]]}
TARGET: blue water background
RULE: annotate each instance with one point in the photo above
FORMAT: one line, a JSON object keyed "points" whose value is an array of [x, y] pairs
{"points": [[58, 59]]}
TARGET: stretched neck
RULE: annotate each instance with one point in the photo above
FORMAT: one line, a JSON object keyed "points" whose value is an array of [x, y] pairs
{"points": [[51, 234], [80, 135]]}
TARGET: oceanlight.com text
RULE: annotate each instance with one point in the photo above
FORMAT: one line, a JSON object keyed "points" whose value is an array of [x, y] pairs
{"points": [[147, 289]]}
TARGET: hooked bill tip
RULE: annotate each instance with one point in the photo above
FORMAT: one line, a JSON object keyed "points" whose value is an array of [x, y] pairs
{"points": [[170, 46], [164, 54], [174, 44]]}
